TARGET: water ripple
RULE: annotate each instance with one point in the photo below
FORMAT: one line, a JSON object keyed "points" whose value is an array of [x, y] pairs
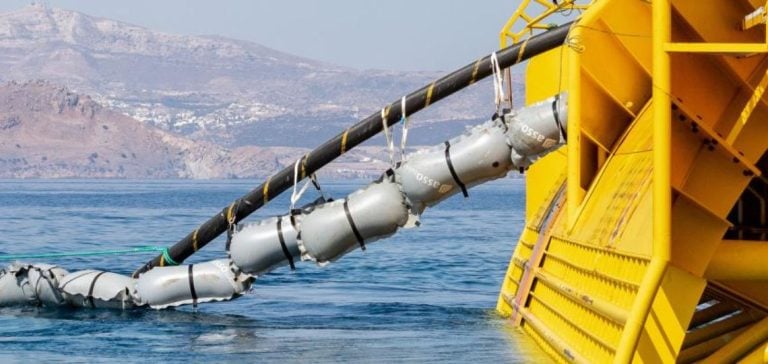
{"points": [[424, 295]]}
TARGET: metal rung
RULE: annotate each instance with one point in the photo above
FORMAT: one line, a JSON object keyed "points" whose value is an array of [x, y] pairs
{"points": [[597, 305], [556, 342], [592, 272], [573, 325]]}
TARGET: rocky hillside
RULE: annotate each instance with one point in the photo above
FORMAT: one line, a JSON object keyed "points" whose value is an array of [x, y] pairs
{"points": [[173, 106], [47, 131], [230, 92]]}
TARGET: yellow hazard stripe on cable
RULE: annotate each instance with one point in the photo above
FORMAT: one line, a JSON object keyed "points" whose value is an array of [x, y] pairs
{"points": [[265, 191], [194, 239], [229, 213], [522, 50], [474, 72], [344, 141], [429, 94]]}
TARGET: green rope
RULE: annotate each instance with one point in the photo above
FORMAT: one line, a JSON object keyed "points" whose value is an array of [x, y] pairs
{"points": [[168, 258], [140, 250]]}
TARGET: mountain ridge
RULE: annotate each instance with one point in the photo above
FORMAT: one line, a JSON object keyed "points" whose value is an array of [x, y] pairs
{"points": [[236, 98]]}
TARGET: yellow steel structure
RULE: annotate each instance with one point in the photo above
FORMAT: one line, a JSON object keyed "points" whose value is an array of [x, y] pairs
{"points": [[646, 237]]}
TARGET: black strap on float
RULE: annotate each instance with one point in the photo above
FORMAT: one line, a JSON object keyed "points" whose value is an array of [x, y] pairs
{"points": [[90, 290], [453, 171], [353, 226], [280, 237], [47, 278], [230, 233], [192, 286], [556, 114], [36, 286], [73, 279], [313, 179]]}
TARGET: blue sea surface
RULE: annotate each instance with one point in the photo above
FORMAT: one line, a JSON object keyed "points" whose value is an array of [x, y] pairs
{"points": [[423, 295]]}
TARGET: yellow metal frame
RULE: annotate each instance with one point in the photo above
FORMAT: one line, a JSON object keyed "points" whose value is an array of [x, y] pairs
{"points": [[662, 192], [547, 8], [646, 318], [534, 22]]}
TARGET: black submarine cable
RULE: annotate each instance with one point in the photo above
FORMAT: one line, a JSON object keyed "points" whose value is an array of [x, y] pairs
{"points": [[351, 137]]}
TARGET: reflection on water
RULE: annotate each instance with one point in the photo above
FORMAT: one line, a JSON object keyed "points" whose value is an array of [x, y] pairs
{"points": [[425, 294]]}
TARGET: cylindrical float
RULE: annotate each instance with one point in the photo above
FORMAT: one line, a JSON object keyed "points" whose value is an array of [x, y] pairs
{"points": [[31, 284], [215, 280], [97, 289], [332, 229], [258, 248], [432, 175], [537, 129]]}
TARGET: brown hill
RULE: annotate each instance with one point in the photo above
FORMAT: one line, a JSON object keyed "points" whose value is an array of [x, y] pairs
{"points": [[232, 92], [47, 131]]}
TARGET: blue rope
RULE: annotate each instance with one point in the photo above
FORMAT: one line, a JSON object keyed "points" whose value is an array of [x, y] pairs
{"points": [[140, 250]]}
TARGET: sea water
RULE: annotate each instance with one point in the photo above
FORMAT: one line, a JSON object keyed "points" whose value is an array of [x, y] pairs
{"points": [[424, 295]]}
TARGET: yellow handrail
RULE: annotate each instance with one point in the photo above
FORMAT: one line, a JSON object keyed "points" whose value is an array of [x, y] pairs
{"points": [[535, 22], [662, 193]]}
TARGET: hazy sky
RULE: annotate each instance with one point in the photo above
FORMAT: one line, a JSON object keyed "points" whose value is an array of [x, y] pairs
{"points": [[392, 34]]}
